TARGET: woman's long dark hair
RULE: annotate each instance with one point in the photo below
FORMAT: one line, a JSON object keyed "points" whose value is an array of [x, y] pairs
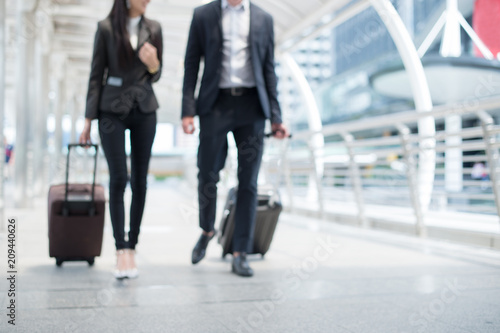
{"points": [[119, 17]]}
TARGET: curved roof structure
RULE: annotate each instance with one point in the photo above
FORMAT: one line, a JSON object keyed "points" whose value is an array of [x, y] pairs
{"points": [[68, 27]]}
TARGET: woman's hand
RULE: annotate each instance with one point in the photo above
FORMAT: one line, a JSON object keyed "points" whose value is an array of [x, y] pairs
{"points": [[149, 57], [85, 136]]}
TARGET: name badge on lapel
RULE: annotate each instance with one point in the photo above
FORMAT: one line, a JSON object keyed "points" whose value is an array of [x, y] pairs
{"points": [[115, 81]]}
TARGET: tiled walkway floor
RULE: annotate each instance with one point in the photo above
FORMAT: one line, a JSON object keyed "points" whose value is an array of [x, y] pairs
{"points": [[317, 277]]}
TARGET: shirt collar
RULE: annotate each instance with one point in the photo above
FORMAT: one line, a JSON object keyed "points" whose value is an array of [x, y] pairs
{"points": [[244, 4], [134, 22]]}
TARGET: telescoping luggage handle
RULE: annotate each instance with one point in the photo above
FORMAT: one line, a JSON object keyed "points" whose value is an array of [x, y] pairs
{"points": [[92, 207]]}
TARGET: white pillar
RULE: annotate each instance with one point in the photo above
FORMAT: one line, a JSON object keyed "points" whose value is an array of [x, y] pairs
{"points": [[59, 112], [453, 156], [60, 91], [40, 115], [2, 108], [24, 97], [451, 45]]}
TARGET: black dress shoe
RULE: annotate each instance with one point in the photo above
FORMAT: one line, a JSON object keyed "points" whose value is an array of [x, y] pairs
{"points": [[200, 248], [241, 267]]}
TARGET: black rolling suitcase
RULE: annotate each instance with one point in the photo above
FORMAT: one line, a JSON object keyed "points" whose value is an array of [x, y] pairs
{"points": [[76, 218], [268, 210]]}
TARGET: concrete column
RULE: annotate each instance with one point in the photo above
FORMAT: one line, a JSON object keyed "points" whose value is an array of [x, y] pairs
{"points": [[58, 134], [40, 116], [74, 112], [24, 96], [2, 108], [59, 91], [43, 135], [453, 156], [451, 46], [33, 103]]}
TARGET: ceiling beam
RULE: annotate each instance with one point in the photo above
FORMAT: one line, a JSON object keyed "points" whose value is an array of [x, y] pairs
{"points": [[312, 19]]}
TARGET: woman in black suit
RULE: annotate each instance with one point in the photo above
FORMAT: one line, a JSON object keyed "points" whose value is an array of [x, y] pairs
{"points": [[127, 59]]}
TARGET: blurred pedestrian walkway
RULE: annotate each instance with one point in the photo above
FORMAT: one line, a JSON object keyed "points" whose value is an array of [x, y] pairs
{"points": [[317, 277]]}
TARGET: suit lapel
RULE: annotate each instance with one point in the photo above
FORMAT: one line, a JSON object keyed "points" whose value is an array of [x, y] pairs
{"points": [[252, 35], [218, 17], [144, 34]]}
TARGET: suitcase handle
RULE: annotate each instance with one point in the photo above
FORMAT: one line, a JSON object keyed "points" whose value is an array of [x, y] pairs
{"points": [[92, 206]]}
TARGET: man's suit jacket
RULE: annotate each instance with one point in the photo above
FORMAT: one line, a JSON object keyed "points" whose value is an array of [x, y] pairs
{"points": [[113, 88], [205, 41]]}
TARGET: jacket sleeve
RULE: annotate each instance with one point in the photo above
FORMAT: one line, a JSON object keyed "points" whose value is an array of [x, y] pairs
{"points": [[159, 47], [271, 79], [97, 69], [191, 67]]}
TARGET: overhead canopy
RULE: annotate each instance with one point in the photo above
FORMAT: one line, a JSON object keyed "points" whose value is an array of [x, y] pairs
{"points": [[72, 25], [450, 79]]}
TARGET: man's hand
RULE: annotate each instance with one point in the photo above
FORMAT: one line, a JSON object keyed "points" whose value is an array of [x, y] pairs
{"points": [[280, 131], [149, 56], [188, 125]]}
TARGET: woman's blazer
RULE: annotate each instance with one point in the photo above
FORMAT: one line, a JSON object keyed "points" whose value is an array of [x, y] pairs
{"points": [[115, 89]]}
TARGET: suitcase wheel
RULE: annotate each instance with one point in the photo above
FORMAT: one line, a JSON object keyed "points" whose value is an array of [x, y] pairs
{"points": [[91, 261], [59, 262]]}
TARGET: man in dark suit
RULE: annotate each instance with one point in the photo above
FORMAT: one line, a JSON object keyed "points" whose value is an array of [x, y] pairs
{"points": [[235, 38]]}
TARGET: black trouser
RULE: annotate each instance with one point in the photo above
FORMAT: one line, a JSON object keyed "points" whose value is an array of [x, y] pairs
{"points": [[243, 116], [112, 128]]}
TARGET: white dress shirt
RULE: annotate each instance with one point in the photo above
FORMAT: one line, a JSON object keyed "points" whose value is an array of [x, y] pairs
{"points": [[133, 30], [236, 58]]}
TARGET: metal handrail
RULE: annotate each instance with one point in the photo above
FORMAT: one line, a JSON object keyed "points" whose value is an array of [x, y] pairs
{"points": [[412, 116], [347, 171]]}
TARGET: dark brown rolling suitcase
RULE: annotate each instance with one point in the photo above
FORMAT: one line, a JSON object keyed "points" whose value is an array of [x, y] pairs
{"points": [[268, 210], [76, 218]]}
